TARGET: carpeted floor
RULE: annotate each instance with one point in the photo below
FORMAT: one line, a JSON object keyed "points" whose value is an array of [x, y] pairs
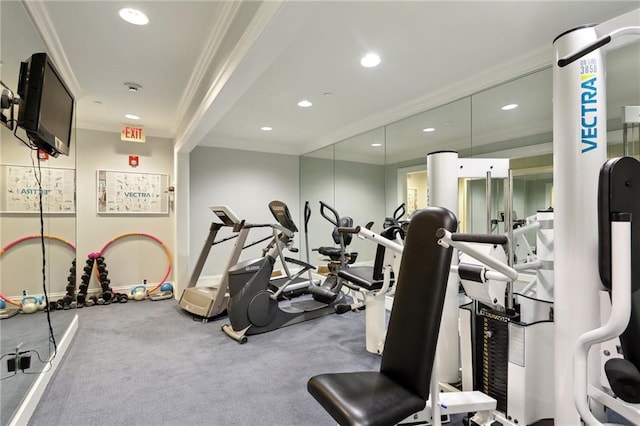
{"points": [[149, 363]]}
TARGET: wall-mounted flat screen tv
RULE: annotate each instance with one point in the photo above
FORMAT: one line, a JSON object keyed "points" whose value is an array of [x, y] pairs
{"points": [[46, 105]]}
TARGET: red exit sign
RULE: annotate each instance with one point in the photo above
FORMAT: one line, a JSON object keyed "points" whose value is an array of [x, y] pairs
{"points": [[132, 134]]}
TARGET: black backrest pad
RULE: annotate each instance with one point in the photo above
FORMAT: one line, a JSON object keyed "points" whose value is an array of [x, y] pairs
{"points": [[412, 334], [619, 192], [345, 222], [280, 211]]}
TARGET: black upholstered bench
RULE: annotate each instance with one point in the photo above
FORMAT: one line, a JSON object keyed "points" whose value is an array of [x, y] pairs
{"points": [[401, 386]]}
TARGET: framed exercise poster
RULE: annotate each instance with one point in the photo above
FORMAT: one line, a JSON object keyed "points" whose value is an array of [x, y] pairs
{"points": [[20, 192], [132, 193]]}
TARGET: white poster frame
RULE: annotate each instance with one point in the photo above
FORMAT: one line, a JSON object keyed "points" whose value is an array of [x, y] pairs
{"points": [[131, 193], [19, 191]]}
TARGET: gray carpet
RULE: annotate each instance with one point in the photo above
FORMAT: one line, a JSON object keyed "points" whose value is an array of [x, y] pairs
{"points": [[148, 363]]}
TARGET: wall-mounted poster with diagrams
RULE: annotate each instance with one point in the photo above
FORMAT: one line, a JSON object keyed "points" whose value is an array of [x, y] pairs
{"points": [[132, 193], [20, 192]]}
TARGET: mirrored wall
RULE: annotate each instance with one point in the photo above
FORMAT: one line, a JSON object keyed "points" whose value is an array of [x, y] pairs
{"points": [[369, 175], [21, 268]]}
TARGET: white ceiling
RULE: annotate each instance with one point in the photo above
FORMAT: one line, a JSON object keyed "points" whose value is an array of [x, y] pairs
{"points": [[214, 72]]}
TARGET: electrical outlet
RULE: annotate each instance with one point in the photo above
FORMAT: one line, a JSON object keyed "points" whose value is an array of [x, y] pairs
{"points": [[23, 362], [11, 364]]}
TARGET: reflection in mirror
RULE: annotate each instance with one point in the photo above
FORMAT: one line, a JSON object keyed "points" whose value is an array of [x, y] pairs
{"points": [[360, 187], [623, 90], [317, 184], [477, 126], [513, 120], [447, 127], [21, 268]]}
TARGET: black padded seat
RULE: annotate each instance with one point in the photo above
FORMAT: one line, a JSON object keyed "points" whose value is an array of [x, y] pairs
{"points": [[362, 276], [335, 253], [401, 387], [371, 277], [332, 252], [370, 398]]}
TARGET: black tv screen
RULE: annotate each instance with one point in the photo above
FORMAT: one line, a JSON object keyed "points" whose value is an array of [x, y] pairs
{"points": [[46, 105]]}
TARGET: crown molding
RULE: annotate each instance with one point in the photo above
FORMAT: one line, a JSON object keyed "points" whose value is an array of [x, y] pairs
{"points": [[40, 17], [117, 128], [248, 145], [212, 46], [194, 130]]}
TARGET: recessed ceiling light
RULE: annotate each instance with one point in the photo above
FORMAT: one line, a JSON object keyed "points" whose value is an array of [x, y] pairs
{"points": [[304, 103], [132, 87], [132, 117], [370, 60], [428, 129], [509, 107], [266, 128], [376, 144], [133, 16]]}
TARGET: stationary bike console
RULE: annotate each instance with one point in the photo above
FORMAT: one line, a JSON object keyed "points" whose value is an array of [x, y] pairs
{"points": [[281, 212]]}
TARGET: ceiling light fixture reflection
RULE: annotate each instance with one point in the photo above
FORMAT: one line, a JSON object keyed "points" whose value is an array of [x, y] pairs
{"points": [[370, 60], [376, 144], [304, 103], [132, 87], [133, 16], [266, 128], [429, 129], [509, 107], [132, 117]]}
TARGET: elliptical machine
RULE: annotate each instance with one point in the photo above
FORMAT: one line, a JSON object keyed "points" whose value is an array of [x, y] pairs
{"points": [[254, 307]]}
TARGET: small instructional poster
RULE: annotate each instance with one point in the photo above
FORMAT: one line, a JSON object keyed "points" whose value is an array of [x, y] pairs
{"points": [[21, 192], [131, 193]]}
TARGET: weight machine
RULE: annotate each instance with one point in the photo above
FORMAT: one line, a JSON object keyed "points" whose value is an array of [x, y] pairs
{"points": [[579, 149], [375, 283]]}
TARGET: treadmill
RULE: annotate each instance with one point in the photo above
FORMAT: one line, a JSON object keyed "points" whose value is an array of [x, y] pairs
{"points": [[211, 301]]}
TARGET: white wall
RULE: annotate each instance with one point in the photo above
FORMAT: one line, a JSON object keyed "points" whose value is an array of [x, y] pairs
{"points": [[132, 259], [246, 182], [20, 266]]}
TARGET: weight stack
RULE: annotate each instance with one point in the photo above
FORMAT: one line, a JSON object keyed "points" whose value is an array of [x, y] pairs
{"points": [[492, 354]]}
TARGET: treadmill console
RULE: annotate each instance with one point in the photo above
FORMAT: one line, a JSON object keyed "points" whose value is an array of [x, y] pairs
{"points": [[225, 215]]}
